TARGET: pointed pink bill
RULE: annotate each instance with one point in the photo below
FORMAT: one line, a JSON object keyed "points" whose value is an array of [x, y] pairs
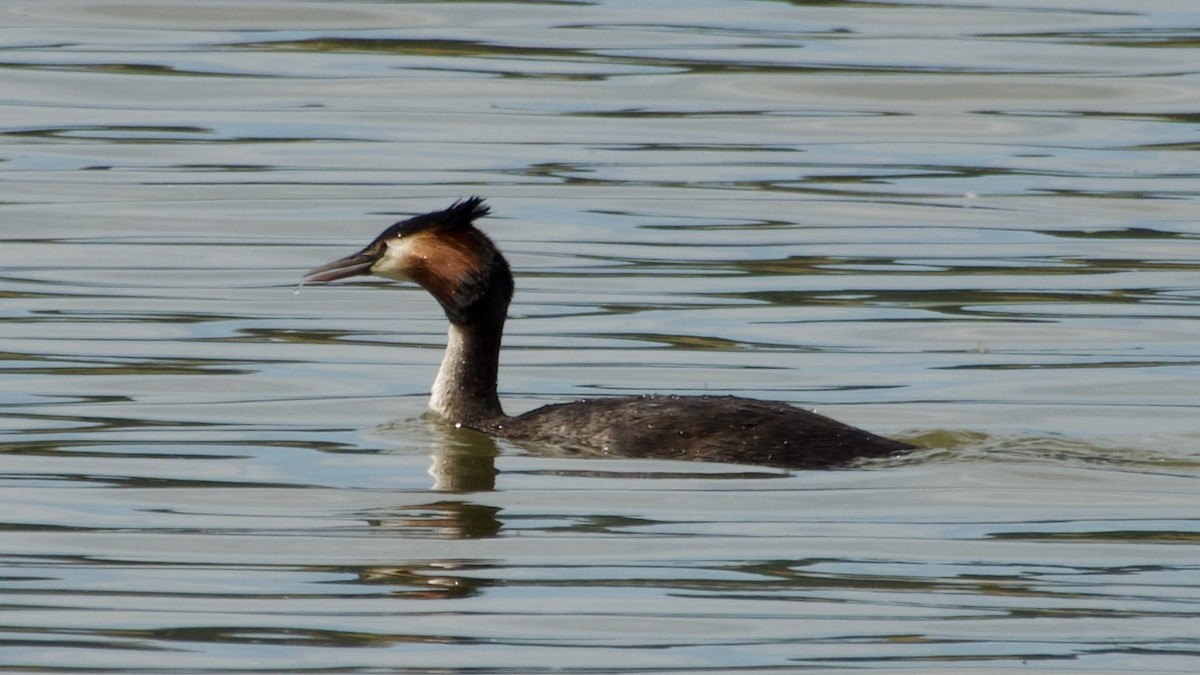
{"points": [[352, 265]]}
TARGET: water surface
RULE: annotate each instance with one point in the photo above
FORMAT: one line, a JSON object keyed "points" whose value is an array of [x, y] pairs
{"points": [[969, 225]]}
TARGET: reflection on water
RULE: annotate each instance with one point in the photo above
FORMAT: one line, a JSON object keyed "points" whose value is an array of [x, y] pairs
{"points": [[971, 226]]}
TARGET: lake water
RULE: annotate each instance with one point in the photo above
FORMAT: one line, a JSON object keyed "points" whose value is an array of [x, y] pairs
{"points": [[974, 225]]}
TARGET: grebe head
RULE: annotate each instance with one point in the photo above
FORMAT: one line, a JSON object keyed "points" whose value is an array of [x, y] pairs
{"points": [[443, 252]]}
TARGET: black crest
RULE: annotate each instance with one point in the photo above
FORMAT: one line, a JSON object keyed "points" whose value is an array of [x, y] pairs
{"points": [[461, 213]]}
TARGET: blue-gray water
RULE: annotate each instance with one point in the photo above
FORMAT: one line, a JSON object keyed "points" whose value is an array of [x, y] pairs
{"points": [[973, 225]]}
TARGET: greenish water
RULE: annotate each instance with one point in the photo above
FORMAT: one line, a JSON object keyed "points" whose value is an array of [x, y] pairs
{"points": [[969, 225]]}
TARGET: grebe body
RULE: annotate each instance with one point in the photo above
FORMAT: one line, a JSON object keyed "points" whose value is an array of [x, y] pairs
{"points": [[463, 270]]}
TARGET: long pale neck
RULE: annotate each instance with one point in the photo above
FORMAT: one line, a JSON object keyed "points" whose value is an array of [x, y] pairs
{"points": [[474, 287], [464, 391]]}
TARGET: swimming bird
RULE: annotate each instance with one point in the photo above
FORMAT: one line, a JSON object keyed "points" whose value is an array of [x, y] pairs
{"points": [[447, 255]]}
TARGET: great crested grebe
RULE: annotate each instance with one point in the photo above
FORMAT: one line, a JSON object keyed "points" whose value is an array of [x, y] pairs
{"points": [[461, 268]]}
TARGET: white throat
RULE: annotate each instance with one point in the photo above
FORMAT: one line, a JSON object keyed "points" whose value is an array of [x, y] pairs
{"points": [[443, 397]]}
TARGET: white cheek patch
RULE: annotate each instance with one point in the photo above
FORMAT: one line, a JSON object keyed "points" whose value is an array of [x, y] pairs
{"points": [[392, 264]]}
